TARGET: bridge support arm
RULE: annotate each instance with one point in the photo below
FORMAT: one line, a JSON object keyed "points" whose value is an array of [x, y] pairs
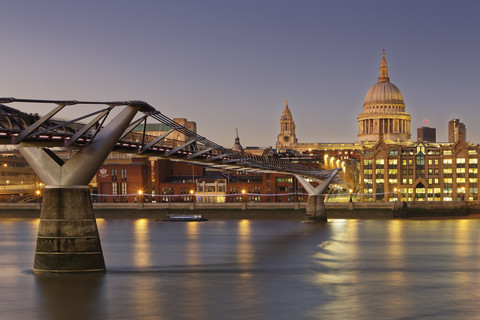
{"points": [[315, 211], [68, 239]]}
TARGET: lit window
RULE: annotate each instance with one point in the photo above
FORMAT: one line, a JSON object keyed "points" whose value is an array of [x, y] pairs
{"points": [[447, 170], [460, 170], [379, 161], [393, 161], [447, 161], [460, 160], [447, 180], [447, 152], [460, 180], [473, 160], [473, 180]]}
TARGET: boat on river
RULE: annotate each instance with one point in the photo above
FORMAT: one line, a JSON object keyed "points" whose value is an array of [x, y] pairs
{"points": [[185, 217]]}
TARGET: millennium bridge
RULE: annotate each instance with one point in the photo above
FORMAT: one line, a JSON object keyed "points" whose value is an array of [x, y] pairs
{"points": [[68, 239]]}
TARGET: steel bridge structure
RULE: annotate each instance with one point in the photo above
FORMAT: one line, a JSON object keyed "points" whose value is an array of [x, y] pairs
{"points": [[68, 238]]}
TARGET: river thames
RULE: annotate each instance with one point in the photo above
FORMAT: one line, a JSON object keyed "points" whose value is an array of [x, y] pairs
{"points": [[254, 269]]}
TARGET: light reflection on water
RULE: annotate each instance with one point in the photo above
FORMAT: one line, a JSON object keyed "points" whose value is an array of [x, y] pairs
{"points": [[254, 269]]}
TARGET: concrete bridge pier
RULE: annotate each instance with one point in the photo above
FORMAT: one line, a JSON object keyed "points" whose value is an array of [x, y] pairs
{"points": [[68, 239], [316, 211]]}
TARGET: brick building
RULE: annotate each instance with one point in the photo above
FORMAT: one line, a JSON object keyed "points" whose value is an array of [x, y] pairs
{"points": [[172, 181], [120, 182], [420, 172]]}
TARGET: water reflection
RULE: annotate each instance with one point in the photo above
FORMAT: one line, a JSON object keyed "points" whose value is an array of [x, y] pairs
{"points": [[396, 252], [141, 248], [250, 269], [194, 283], [244, 244], [192, 253], [71, 297]]}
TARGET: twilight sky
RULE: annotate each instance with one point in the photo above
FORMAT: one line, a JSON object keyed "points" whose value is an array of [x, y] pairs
{"points": [[231, 64]]}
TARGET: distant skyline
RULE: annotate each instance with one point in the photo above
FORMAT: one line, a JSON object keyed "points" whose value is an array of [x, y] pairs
{"points": [[231, 64]]}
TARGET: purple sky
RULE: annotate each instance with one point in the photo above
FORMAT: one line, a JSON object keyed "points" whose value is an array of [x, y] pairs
{"points": [[231, 64]]}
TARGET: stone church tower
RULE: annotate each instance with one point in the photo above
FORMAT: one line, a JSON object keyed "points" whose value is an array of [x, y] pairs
{"points": [[287, 137]]}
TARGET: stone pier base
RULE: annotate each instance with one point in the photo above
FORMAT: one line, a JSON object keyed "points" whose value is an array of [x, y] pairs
{"points": [[316, 209], [68, 238]]}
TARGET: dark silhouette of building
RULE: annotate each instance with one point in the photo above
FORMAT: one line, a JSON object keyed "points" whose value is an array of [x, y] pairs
{"points": [[426, 134], [456, 131]]}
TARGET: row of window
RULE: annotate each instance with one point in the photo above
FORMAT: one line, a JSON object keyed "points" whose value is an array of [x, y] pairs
{"points": [[368, 162], [123, 174]]}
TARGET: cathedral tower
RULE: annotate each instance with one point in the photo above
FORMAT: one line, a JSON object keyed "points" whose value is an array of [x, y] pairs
{"points": [[287, 137], [384, 111]]}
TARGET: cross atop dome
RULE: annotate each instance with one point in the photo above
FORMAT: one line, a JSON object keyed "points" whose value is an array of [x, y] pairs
{"points": [[383, 70]]}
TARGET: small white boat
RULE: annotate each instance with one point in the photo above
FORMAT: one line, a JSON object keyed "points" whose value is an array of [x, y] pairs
{"points": [[185, 217]]}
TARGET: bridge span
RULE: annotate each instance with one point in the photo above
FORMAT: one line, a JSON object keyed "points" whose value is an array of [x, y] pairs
{"points": [[68, 239]]}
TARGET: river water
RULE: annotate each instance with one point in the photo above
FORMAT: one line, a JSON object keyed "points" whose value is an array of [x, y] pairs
{"points": [[254, 269]]}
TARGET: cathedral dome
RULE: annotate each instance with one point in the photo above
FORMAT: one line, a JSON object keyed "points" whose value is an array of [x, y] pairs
{"points": [[383, 93], [383, 96], [384, 115]]}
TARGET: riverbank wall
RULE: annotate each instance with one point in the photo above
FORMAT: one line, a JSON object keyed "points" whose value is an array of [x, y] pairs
{"points": [[255, 210]]}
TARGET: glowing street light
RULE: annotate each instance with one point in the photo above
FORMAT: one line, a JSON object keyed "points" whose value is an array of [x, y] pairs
{"points": [[140, 195]]}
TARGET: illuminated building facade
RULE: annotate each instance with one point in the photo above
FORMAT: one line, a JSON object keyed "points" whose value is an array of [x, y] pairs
{"points": [[419, 172], [18, 182], [122, 182], [175, 181]]}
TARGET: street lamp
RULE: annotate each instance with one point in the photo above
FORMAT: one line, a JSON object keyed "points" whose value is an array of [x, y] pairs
{"points": [[350, 191], [463, 193], [38, 193], [140, 197], [191, 193]]}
